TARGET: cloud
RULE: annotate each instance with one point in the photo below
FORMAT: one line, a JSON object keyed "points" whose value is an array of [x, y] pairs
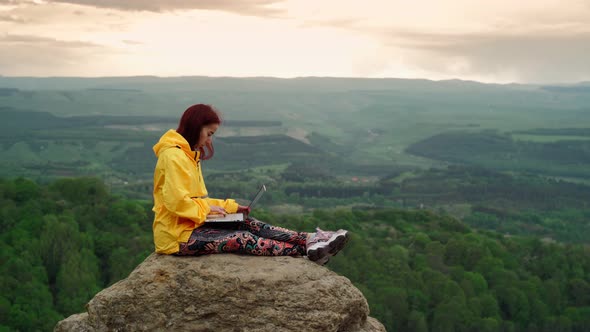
{"points": [[531, 57], [12, 19], [540, 40], [340, 23], [31, 55], [21, 2], [30, 40], [491, 40], [132, 42], [243, 7]]}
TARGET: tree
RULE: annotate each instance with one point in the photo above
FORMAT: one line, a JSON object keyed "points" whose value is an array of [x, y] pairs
{"points": [[558, 324], [417, 322], [395, 307], [488, 324], [489, 306], [58, 238], [473, 284], [23, 190], [580, 318], [513, 304], [579, 292], [81, 190], [452, 315], [31, 302], [77, 281], [552, 296], [464, 251]]}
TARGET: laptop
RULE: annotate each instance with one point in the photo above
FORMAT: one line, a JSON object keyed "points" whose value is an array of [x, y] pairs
{"points": [[236, 217]]}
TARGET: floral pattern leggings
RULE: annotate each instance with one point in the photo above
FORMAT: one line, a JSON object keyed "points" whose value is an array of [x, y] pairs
{"points": [[252, 237]]}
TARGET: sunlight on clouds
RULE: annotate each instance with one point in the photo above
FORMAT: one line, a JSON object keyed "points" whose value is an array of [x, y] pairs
{"points": [[240, 46], [458, 16], [487, 40]]}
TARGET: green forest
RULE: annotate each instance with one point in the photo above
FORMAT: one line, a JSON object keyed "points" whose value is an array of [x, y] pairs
{"points": [[469, 203], [420, 271]]}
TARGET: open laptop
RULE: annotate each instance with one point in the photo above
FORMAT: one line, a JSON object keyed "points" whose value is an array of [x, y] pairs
{"points": [[234, 217]]}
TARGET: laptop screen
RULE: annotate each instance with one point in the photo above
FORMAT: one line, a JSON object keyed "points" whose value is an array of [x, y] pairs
{"points": [[257, 197]]}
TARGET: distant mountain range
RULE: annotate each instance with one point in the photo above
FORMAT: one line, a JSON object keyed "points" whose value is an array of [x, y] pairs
{"points": [[123, 83]]}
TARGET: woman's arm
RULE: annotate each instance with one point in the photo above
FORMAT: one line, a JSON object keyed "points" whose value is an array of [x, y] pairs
{"points": [[229, 205]]}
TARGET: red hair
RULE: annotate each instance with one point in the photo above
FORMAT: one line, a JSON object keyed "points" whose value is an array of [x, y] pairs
{"points": [[192, 122]]}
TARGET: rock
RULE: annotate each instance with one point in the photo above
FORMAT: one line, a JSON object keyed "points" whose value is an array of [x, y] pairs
{"points": [[226, 292]]}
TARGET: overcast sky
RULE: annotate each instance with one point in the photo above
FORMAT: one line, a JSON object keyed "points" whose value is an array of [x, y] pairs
{"points": [[527, 41]]}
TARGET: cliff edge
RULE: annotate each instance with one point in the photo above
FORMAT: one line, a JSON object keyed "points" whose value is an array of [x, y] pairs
{"points": [[226, 292]]}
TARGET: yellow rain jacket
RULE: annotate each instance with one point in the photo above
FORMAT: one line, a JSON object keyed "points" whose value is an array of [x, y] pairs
{"points": [[181, 202]]}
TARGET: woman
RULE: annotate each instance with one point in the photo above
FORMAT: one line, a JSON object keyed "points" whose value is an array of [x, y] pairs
{"points": [[181, 203]]}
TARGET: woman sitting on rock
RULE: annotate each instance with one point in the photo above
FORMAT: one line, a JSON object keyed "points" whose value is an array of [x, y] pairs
{"points": [[181, 204]]}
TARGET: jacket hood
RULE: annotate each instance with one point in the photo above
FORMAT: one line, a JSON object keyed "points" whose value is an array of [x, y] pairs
{"points": [[172, 139]]}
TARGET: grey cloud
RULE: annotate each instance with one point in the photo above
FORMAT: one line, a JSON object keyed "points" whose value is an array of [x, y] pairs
{"points": [[12, 19], [29, 55], [43, 41], [18, 2], [132, 42], [533, 57], [345, 23], [537, 46], [244, 7]]}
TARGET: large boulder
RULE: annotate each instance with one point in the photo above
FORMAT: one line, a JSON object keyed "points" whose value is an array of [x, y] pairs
{"points": [[227, 292]]}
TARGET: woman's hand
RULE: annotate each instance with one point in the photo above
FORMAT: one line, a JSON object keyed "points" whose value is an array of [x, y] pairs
{"points": [[244, 209], [217, 210]]}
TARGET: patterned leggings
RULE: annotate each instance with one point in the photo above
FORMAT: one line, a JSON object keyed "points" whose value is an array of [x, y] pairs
{"points": [[252, 237]]}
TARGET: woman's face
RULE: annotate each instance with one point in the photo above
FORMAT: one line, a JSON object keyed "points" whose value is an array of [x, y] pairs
{"points": [[206, 135]]}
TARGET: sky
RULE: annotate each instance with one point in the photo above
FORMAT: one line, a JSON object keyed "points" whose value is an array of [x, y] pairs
{"points": [[493, 41]]}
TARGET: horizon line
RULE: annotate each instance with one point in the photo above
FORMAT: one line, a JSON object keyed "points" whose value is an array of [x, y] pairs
{"points": [[296, 78]]}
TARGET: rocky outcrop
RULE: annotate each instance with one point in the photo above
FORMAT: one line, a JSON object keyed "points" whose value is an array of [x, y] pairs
{"points": [[227, 293]]}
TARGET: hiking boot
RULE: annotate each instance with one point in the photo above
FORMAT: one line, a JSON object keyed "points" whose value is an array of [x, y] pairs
{"points": [[340, 238], [322, 245], [323, 261]]}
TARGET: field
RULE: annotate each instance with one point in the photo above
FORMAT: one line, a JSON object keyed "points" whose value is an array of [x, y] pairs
{"points": [[316, 142]]}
